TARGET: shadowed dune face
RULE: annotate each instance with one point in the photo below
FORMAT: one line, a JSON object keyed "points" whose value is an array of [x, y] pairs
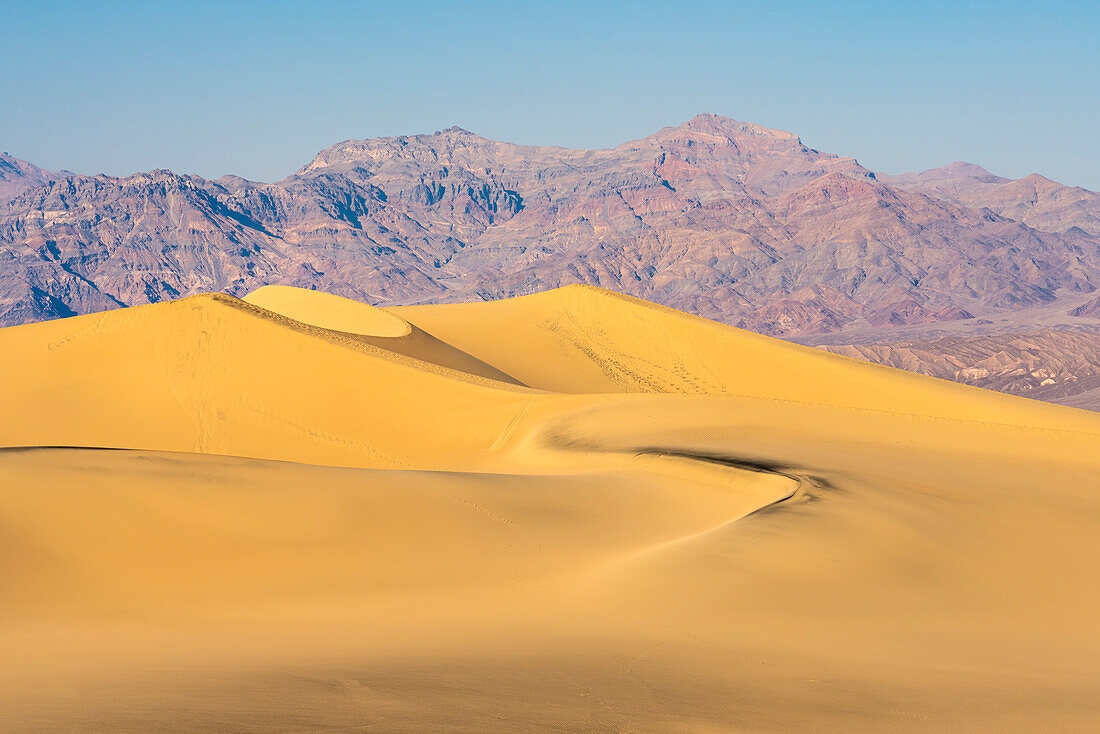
{"points": [[565, 512], [368, 325]]}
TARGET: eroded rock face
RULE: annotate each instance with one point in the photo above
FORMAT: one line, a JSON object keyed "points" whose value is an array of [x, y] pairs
{"points": [[1089, 309], [1048, 364], [722, 218]]}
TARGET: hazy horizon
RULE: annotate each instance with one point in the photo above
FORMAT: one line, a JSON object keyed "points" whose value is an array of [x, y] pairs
{"points": [[257, 89]]}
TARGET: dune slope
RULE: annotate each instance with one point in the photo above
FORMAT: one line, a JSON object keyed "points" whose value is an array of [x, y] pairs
{"points": [[571, 511]]}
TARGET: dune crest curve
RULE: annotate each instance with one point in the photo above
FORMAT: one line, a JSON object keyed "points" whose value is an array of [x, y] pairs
{"points": [[369, 325], [327, 311]]}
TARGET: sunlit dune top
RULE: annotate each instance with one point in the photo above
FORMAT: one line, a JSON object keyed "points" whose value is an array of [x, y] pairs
{"points": [[328, 311]]}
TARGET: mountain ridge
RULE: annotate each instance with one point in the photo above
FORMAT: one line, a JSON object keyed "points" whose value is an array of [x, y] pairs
{"points": [[729, 220]]}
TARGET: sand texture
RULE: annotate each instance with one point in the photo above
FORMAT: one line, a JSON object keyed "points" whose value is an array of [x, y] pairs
{"points": [[570, 511]]}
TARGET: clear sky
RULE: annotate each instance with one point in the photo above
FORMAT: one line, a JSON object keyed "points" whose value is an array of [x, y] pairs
{"points": [[256, 88]]}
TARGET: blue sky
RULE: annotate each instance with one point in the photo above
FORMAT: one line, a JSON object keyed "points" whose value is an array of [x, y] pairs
{"points": [[257, 88]]}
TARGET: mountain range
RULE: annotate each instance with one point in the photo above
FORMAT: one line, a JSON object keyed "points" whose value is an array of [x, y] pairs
{"points": [[725, 219]]}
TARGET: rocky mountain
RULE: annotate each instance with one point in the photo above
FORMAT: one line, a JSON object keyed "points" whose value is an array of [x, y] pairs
{"points": [[1034, 200], [1089, 309], [726, 219], [17, 176], [1059, 365]]}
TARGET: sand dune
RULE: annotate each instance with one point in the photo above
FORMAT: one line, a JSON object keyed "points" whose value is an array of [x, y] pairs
{"points": [[369, 325], [572, 511]]}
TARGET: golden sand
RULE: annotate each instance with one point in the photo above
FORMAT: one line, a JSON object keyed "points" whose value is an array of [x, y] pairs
{"points": [[572, 511]]}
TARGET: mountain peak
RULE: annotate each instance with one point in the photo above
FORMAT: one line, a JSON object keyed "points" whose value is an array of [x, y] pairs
{"points": [[712, 123], [963, 168], [17, 175], [12, 166], [953, 174], [369, 150], [957, 170], [1038, 178]]}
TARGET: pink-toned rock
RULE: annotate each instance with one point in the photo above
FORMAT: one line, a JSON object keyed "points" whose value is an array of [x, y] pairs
{"points": [[1089, 309], [726, 219], [1034, 200]]}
